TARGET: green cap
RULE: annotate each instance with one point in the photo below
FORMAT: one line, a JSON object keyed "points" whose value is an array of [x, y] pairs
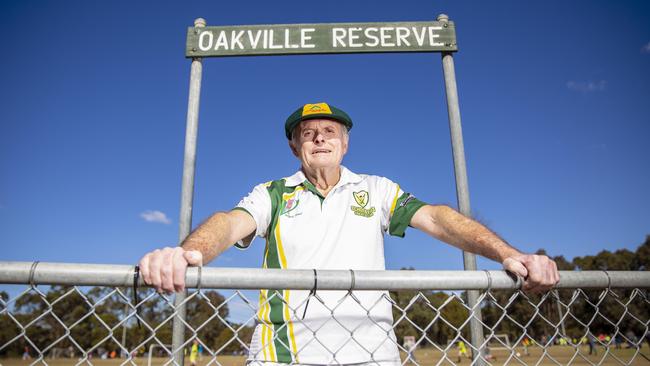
{"points": [[316, 111]]}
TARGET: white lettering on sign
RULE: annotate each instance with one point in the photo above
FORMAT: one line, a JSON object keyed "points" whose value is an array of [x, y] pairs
{"points": [[293, 38], [432, 35], [304, 38], [254, 40], [371, 33], [402, 34], [271, 39], [266, 38], [353, 36], [385, 36], [337, 36], [222, 41], [202, 37], [419, 37], [234, 39]]}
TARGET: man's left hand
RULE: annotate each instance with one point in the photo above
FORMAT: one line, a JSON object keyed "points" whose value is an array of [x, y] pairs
{"points": [[538, 271]]}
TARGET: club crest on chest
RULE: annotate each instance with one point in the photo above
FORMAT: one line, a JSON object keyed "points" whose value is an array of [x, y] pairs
{"points": [[362, 198]]}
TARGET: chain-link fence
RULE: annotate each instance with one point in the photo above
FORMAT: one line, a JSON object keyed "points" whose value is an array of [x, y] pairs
{"points": [[90, 314]]}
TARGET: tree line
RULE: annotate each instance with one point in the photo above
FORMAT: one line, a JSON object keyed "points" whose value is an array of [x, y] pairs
{"points": [[77, 319], [568, 314]]}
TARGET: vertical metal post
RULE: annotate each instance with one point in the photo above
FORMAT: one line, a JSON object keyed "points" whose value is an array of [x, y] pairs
{"points": [[126, 313], [187, 192], [462, 189], [560, 313]]}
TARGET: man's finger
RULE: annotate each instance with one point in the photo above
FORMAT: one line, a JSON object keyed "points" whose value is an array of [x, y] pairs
{"points": [[166, 270], [516, 267], [179, 266], [193, 257], [144, 269], [155, 259]]}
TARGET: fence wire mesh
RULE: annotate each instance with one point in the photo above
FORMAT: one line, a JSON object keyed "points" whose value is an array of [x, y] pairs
{"points": [[63, 324]]}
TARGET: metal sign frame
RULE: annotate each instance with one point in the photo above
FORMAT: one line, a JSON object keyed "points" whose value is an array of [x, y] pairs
{"points": [[296, 39], [320, 38]]}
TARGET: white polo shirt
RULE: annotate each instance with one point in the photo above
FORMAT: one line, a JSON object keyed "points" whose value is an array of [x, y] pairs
{"points": [[344, 230]]}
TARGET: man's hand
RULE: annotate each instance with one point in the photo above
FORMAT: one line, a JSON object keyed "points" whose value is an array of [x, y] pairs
{"points": [[538, 271], [164, 269]]}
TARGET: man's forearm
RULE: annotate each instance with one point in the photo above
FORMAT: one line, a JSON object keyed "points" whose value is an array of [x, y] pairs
{"points": [[470, 235], [211, 238], [446, 224]]}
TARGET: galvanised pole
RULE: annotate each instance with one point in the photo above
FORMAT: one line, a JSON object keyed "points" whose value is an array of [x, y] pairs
{"points": [[462, 189], [126, 313], [187, 191], [112, 275], [560, 313]]}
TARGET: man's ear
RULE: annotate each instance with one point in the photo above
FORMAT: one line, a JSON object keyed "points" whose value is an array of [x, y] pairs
{"points": [[346, 141], [293, 148]]}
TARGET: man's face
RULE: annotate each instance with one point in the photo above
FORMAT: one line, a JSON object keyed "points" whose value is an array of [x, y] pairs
{"points": [[319, 143]]}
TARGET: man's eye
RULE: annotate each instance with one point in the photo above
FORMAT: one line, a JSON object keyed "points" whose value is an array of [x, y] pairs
{"points": [[307, 133]]}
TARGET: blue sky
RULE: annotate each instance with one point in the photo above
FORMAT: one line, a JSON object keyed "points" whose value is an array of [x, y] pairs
{"points": [[554, 103]]}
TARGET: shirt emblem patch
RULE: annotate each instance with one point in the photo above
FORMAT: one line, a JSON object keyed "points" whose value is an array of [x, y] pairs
{"points": [[362, 198], [290, 205]]}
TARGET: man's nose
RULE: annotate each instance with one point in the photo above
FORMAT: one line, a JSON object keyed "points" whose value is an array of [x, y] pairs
{"points": [[319, 137]]}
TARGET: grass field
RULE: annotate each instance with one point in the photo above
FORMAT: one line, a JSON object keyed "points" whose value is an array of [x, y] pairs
{"points": [[555, 355]]}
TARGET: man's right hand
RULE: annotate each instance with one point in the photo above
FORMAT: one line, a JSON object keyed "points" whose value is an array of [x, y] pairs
{"points": [[164, 269]]}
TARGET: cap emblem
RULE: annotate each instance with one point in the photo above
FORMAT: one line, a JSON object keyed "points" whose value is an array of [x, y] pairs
{"points": [[318, 108]]}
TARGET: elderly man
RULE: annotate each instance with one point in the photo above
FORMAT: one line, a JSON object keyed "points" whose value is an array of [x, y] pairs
{"points": [[326, 217]]}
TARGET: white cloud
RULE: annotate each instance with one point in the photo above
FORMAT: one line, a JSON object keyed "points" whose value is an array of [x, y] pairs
{"points": [[646, 48], [155, 216], [586, 86]]}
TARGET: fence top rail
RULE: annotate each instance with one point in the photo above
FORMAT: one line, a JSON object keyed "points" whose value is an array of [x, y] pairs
{"points": [[44, 273]]}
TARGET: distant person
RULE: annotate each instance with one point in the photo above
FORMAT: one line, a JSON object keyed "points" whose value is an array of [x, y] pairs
{"points": [[325, 216], [527, 343], [194, 352], [410, 346], [591, 341], [462, 350], [26, 355]]}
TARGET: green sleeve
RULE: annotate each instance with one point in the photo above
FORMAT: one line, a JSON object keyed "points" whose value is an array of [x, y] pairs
{"points": [[406, 206]]}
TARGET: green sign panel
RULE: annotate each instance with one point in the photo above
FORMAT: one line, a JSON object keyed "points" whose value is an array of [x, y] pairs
{"points": [[296, 39]]}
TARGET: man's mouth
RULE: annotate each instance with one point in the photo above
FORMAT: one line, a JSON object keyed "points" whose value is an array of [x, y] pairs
{"points": [[321, 151]]}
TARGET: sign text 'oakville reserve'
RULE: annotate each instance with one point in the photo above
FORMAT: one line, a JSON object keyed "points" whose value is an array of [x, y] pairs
{"points": [[286, 39]]}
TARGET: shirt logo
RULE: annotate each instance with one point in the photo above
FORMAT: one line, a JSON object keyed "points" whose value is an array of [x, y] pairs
{"points": [[362, 198], [407, 200], [290, 205]]}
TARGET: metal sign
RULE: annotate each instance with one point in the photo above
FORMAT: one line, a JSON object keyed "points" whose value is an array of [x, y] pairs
{"points": [[295, 39]]}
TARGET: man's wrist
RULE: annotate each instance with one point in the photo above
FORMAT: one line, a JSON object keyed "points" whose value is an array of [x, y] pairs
{"points": [[510, 253]]}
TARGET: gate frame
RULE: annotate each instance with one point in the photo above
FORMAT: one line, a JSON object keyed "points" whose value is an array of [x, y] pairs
{"points": [[460, 172]]}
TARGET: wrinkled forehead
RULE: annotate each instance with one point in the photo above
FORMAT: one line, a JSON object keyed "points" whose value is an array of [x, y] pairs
{"points": [[320, 122]]}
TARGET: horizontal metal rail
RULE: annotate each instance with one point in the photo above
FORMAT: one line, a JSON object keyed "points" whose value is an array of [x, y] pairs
{"points": [[250, 278]]}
